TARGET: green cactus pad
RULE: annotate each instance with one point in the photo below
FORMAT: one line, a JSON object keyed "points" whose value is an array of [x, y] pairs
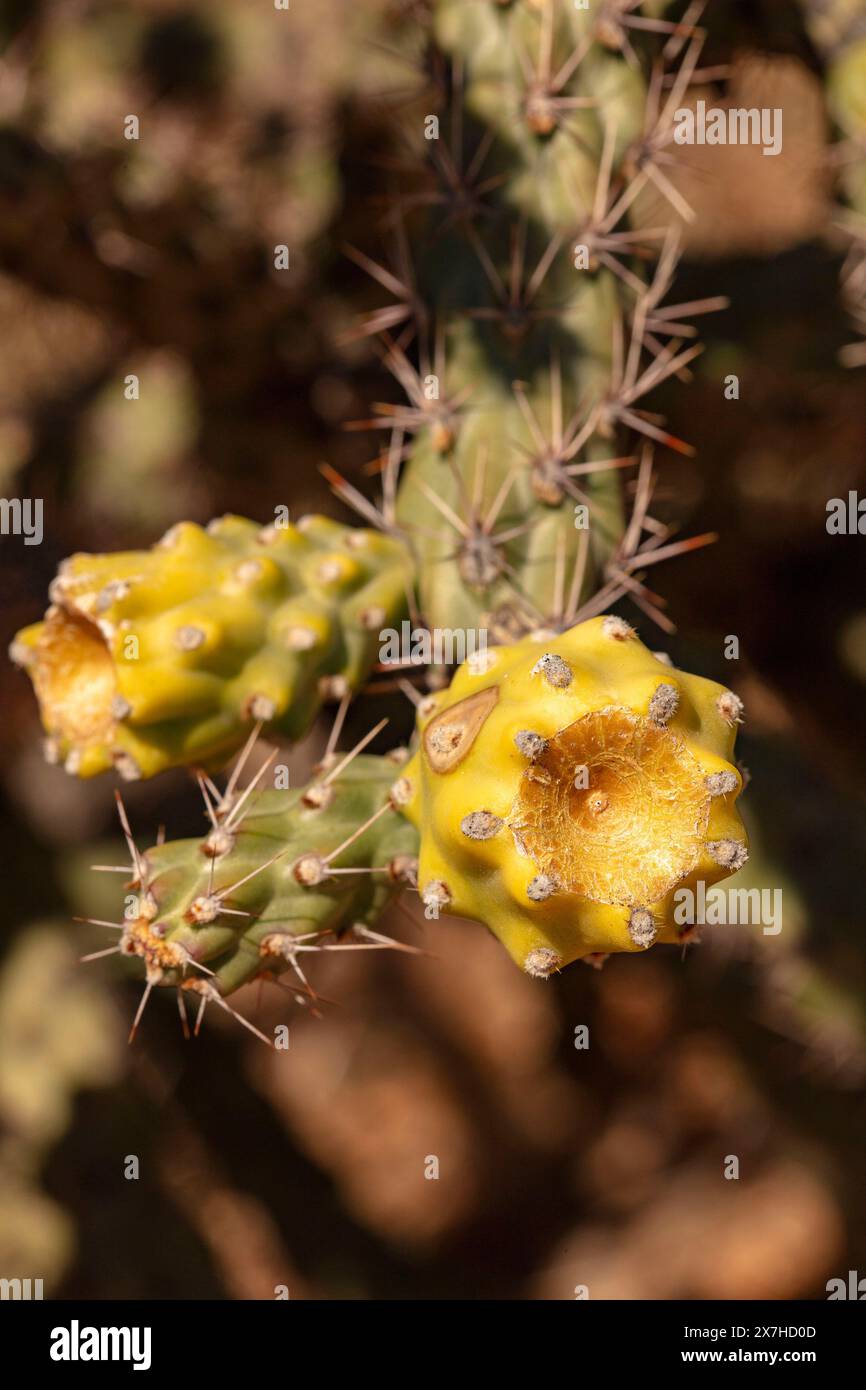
{"points": [[280, 874]]}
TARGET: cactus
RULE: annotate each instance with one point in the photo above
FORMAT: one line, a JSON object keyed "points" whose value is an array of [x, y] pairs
{"points": [[517, 494], [566, 786], [278, 875], [147, 660], [58, 1036], [838, 28], [524, 290]]}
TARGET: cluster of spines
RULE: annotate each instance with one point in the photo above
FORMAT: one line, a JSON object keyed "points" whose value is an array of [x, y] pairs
{"points": [[538, 366], [279, 874]]}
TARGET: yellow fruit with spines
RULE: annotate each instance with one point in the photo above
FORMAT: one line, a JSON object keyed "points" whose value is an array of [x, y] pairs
{"points": [[567, 787], [151, 659]]}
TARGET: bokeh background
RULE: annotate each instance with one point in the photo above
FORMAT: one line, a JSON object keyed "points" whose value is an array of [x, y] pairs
{"points": [[558, 1167]]}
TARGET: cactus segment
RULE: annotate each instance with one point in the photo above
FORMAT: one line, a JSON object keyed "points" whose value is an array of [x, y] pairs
{"points": [[838, 29], [278, 876], [536, 334], [150, 659], [598, 782]]}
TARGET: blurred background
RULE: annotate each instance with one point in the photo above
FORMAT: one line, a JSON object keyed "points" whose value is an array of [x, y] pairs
{"points": [[558, 1167]]}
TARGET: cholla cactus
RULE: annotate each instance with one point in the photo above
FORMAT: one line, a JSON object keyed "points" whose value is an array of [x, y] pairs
{"points": [[517, 493], [537, 339], [277, 876], [58, 1036], [838, 28]]}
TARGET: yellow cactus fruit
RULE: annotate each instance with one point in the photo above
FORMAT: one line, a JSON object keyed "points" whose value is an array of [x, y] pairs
{"points": [[567, 787], [152, 659]]}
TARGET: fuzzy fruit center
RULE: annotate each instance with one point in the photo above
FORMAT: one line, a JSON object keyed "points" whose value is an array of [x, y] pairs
{"points": [[615, 809], [74, 679]]}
